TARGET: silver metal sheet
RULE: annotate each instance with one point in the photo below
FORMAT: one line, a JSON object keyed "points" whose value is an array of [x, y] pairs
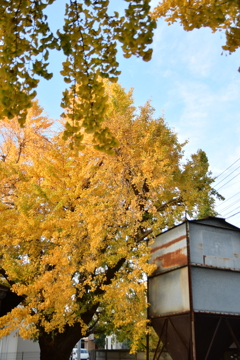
{"points": [[215, 221], [169, 293], [214, 246], [170, 249], [216, 291]]}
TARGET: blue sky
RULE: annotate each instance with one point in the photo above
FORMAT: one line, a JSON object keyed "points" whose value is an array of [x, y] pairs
{"points": [[190, 82]]}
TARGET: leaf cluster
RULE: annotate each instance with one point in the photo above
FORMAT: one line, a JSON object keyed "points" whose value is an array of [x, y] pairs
{"points": [[88, 40], [24, 36]]}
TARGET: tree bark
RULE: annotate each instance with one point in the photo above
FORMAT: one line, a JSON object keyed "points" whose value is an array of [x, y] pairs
{"points": [[59, 346]]}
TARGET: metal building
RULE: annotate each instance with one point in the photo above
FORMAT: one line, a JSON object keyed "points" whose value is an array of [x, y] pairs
{"points": [[194, 293]]}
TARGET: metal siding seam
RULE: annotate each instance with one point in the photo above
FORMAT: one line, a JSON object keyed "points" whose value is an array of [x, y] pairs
{"points": [[193, 344]]}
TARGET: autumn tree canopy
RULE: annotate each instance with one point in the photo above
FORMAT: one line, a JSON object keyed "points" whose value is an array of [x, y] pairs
{"points": [[218, 15], [75, 226], [89, 40]]}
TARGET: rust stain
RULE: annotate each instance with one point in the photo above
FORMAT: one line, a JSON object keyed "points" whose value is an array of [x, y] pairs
{"points": [[164, 246], [236, 255], [175, 258], [218, 257]]}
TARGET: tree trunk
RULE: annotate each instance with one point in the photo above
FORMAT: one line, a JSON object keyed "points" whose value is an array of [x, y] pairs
{"points": [[59, 346]]}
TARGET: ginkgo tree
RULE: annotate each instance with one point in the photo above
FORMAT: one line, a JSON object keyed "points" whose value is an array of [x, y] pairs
{"points": [[217, 15], [75, 226], [89, 38]]}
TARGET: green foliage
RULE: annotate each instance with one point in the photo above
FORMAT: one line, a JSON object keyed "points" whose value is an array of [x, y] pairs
{"points": [[89, 41], [24, 34], [100, 340], [196, 170]]}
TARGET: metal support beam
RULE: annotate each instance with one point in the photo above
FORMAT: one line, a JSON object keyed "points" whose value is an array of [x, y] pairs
{"points": [[156, 355], [232, 333], [215, 332]]}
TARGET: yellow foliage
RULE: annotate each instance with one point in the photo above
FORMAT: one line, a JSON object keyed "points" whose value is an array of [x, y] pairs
{"points": [[194, 14], [75, 227]]}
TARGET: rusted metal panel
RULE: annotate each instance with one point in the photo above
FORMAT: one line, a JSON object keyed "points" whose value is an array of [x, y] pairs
{"points": [[170, 249], [169, 293], [215, 291], [216, 247]]}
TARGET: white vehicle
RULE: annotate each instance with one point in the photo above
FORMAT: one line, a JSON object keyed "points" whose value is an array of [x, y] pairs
{"points": [[83, 356]]}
